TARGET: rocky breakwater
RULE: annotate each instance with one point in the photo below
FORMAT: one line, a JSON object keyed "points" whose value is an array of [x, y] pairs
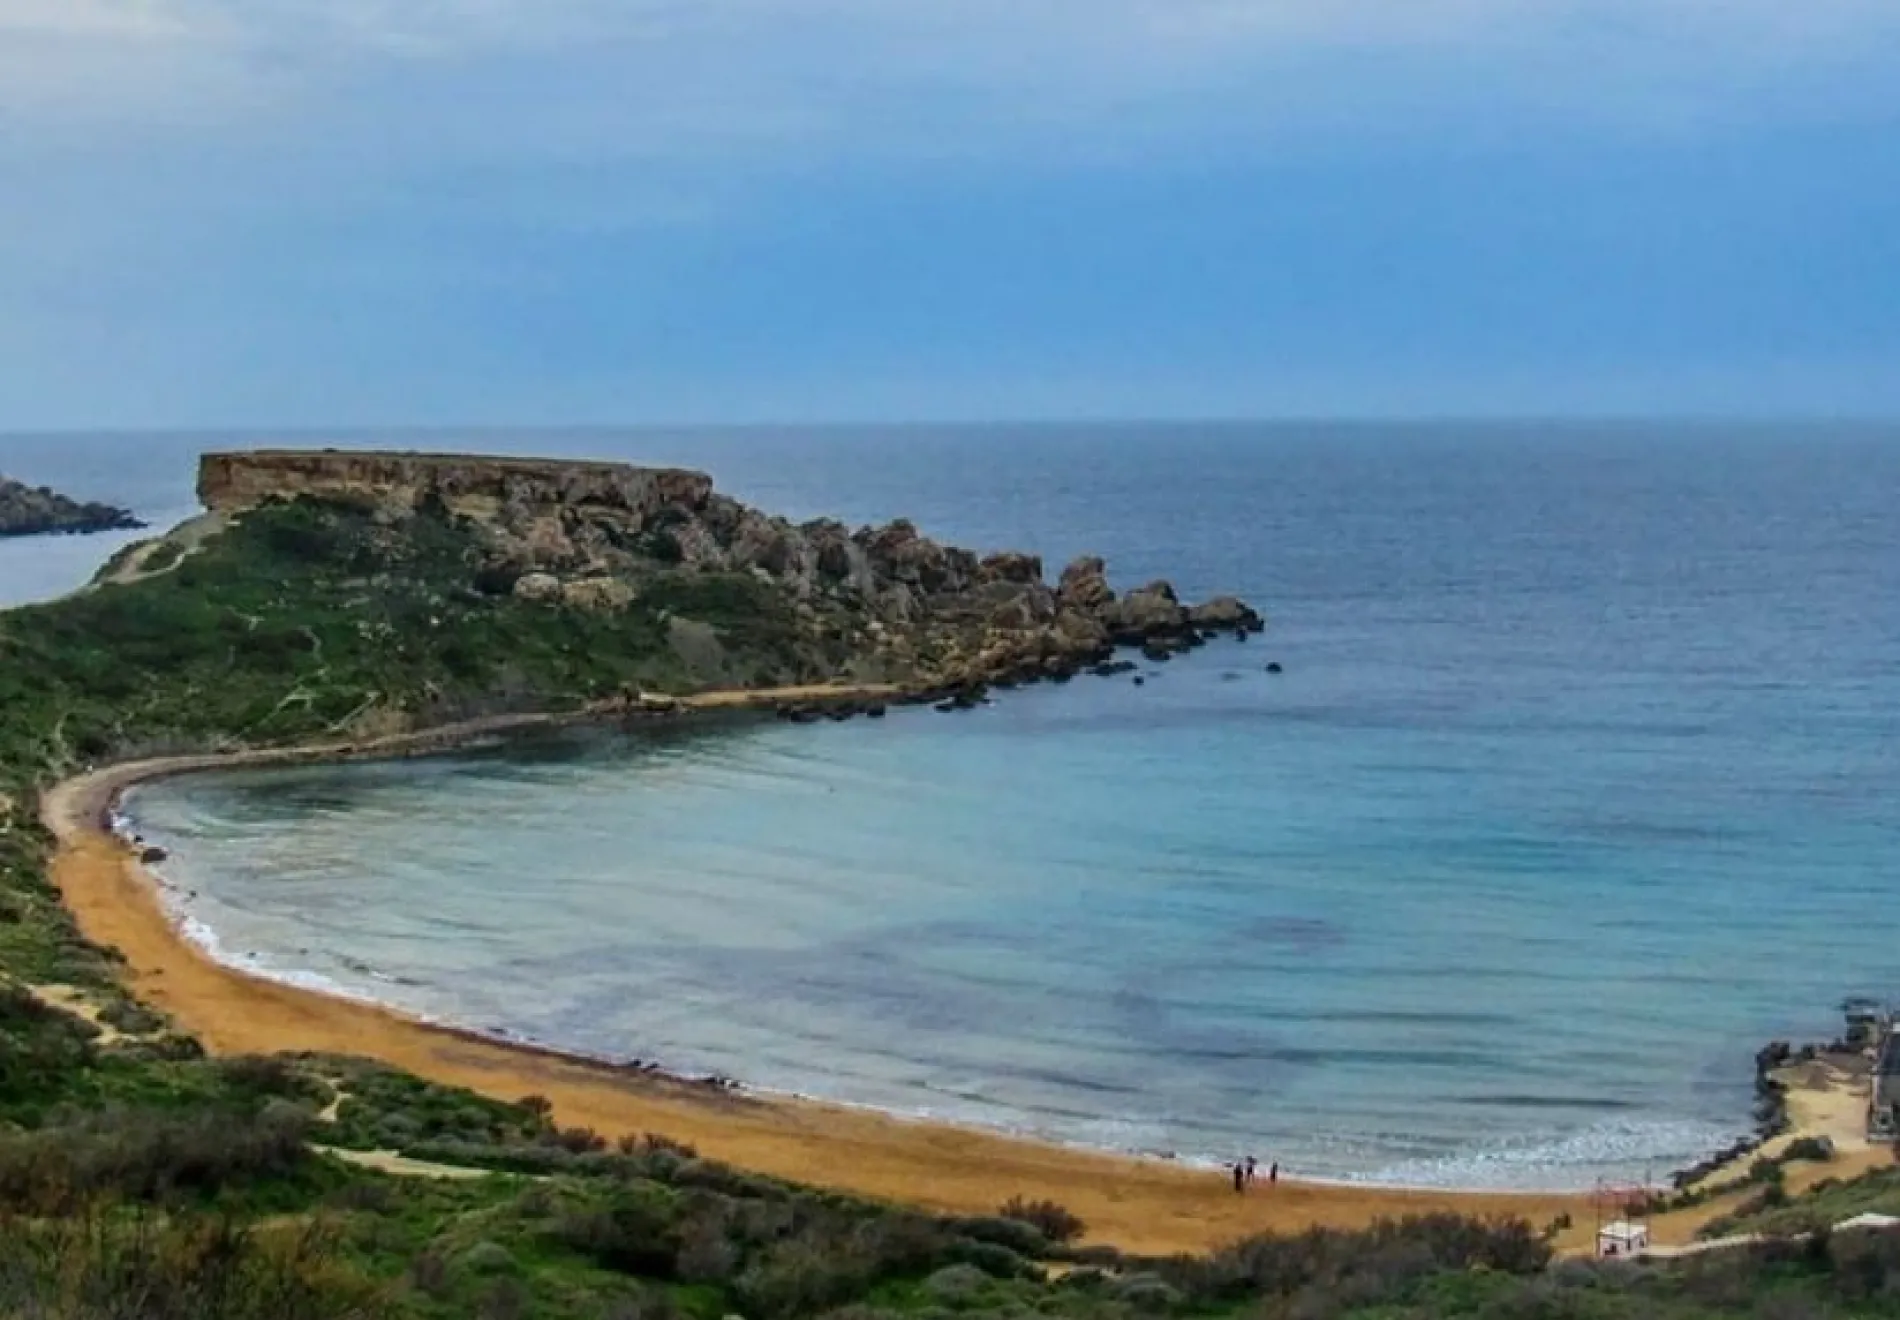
{"points": [[30, 510], [745, 598]]}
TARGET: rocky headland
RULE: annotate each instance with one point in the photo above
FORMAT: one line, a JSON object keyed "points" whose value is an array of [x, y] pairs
{"points": [[30, 510], [873, 605]]}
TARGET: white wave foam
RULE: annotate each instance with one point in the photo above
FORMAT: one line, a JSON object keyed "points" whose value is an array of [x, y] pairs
{"points": [[1645, 1150]]}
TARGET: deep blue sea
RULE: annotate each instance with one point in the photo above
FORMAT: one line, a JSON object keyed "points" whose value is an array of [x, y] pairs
{"points": [[1581, 781]]}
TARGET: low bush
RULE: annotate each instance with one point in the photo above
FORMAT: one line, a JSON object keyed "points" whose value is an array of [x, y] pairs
{"points": [[1815, 1150], [1014, 1234], [652, 1143], [635, 1232], [577, 1140], [147, 1157], [1380, 1263], [97, 1265], [131, 1018], [1052, 1219], [800, 1278], [40, 1049]]}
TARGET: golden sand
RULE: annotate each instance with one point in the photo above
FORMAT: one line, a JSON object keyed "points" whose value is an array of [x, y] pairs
{"points": [[1143, 1205]]}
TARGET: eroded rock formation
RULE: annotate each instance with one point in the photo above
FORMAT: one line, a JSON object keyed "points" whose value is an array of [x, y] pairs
{"points": [[885, 603]]}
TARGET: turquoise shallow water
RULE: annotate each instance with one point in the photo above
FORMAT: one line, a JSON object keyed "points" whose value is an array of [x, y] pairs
{"points": [[1580, 783]]}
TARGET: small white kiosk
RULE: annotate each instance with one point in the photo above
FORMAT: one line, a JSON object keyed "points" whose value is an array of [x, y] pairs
{"points": [[1621, 1238]]}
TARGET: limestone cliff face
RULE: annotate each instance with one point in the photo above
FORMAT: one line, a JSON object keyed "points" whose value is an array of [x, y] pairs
{"points": [[597, 536], [478, 486]]}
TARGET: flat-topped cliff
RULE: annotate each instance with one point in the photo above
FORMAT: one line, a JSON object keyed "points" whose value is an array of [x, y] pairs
{"points": [[228, 482]]}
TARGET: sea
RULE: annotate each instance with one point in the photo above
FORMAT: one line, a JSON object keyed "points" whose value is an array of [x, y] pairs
{"points": [[1580, 781]]}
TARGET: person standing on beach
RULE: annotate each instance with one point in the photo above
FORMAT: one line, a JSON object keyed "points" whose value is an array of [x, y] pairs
{"points": [[1240, 1176], [1273, 1174], [1252, 1170]]}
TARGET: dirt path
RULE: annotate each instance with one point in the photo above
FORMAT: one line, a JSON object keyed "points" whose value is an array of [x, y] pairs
{"points": [[185, 540], [1823, 1101], [400, 1166]]}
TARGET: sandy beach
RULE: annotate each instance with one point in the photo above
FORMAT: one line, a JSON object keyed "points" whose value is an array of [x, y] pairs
{"points": [[1146, 1205]]}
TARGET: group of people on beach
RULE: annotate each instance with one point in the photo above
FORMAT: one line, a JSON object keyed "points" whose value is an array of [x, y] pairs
{"points": [[1246, 1172]]}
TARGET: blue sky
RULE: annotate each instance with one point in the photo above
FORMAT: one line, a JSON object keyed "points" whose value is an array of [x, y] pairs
{"points": [[368, 212]]}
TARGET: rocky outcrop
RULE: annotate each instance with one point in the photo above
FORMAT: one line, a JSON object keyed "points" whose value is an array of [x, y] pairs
{"points": [[478, 486], [884, 604], [1084, 586], [30, 510]]}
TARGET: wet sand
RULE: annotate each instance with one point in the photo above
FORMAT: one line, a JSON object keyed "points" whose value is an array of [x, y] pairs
{"points": [[1144, 1205]]}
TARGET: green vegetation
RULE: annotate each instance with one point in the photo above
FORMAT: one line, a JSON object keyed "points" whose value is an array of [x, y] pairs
{"points": [[140, 1180], [303, 618]]}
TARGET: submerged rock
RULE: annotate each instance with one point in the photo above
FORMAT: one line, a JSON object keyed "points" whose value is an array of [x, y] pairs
{"points": [[1226, 613]]}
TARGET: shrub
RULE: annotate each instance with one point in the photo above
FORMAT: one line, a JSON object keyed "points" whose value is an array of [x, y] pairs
{"points": [[1372, 1265], [957, 1286], [643, 1306], [429, 1274], [1866, 1265], [997, 1262], [1145, 1292], [96, 1265], [146, 1157], [707, 1253], [39, 1048], [652, 1143], [633, 1234], [1052, 1219], [1816, 1150], [1766, 1171], [505, 1299], [800, 1278], [265, 1075], [131, 1018], [486, 1259], [578, 1140], [367, 1197]]}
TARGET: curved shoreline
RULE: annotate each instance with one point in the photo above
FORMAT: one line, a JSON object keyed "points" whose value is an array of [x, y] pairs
{"points": [[1142, 1204]]}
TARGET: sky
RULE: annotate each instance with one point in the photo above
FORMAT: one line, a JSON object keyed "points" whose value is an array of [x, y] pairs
{"points": [[498, 212]]}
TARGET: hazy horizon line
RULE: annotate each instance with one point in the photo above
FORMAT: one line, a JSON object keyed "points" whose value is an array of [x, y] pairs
{"points": [[1340, 420]]}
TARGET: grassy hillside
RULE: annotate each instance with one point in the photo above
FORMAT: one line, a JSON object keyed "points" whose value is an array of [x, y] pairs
{"points": [[142, 1181], [304, 618]]}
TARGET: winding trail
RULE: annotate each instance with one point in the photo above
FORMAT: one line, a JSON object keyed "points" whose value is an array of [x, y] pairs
{"points": [[1143, 1205]]}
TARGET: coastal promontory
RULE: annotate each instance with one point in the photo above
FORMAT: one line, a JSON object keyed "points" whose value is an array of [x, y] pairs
{"points": [[720, 594], [30, 510]]}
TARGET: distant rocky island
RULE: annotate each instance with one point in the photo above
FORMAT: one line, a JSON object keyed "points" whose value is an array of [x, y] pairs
{"points": [[31, 510]]}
